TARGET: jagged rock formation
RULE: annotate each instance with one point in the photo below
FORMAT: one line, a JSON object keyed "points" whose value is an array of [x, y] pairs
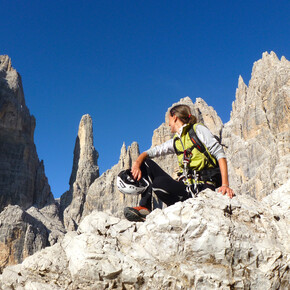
{"points": [[258, 133], [20, 236], [207, 242], [33, 222], [204, 113], [49, 217], [85, 170], [22, 178], [22, 233]]}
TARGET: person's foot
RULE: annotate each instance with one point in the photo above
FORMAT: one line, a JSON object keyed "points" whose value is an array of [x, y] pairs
{"points": [[136, 214]]}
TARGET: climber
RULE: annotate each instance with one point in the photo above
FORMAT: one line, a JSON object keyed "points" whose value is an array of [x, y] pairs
{"points": [[201, 159]]}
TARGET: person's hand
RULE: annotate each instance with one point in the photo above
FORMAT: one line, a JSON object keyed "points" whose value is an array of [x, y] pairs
{"points": [[136, 171], [225, 189]]}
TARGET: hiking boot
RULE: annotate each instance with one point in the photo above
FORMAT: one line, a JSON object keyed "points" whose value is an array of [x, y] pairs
{"points": [[136, 214]]}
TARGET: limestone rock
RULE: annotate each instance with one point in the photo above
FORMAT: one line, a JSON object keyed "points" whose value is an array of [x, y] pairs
{"points": [[22, 178], [49, 217], [21, 235], [207, 242], [258, 133], [84, 172], [47, 270]]}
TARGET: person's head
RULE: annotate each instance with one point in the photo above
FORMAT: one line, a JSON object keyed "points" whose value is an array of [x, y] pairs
{"points": [[180, 115]]}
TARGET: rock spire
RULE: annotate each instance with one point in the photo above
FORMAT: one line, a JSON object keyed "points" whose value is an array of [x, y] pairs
{"points": [[84, 172], [258, 133]]}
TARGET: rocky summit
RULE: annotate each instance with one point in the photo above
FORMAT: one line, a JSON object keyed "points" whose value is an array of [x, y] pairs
{"points": [[207, 242]]}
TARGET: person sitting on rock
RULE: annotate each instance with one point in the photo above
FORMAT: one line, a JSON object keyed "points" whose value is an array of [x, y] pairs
{"points": [[200, 168]]}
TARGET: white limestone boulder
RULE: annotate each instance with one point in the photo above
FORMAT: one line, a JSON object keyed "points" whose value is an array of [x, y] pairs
{"points": [[206, 242]]}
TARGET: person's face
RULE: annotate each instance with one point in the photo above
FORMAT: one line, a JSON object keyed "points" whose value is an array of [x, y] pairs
{"points": [[172, 123]]}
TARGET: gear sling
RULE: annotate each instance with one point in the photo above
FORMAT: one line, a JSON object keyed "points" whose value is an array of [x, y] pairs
{"points": [[197, 164]]}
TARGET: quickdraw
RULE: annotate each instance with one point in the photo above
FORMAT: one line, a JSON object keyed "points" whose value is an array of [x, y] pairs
{"points": [[186, 160]]}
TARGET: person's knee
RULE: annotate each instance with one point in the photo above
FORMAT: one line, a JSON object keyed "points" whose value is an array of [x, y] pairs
{"points": [[148, 162], [160, 182]]}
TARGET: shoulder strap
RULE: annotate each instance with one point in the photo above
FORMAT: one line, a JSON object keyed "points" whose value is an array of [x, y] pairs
{"points": [[198, 144], [195, 140], [178, 152]]}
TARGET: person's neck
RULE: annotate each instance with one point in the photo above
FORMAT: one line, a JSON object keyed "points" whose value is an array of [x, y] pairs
{"points": [[178, 126]]}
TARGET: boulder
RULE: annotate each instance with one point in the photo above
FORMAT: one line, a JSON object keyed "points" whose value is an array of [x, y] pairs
{"points": [[21, 235], [207, 242]]}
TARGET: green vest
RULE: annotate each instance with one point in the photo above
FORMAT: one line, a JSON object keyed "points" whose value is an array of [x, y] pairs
{"points": [[198, 161]]}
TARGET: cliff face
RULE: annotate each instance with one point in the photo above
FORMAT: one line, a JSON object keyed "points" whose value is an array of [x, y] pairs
{"points": [[258, 133], [28, 214], [22, 178]]}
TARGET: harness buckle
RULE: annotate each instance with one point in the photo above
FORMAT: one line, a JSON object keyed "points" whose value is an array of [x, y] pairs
{"points": [[186, 156]]}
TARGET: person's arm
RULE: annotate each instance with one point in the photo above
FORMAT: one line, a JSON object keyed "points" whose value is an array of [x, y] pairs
{"points": [[225, 189], [159, 150], [135, 170], [216, 149]]}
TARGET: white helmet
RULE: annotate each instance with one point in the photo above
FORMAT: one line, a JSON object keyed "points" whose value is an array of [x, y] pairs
{"points": [[128, 185]]}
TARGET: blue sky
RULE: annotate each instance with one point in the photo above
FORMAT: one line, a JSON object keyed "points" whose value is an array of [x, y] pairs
{"points": [[126, 62]]}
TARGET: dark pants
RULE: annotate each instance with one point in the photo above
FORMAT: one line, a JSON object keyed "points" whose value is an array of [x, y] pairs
{"points": [[164, 186]]}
